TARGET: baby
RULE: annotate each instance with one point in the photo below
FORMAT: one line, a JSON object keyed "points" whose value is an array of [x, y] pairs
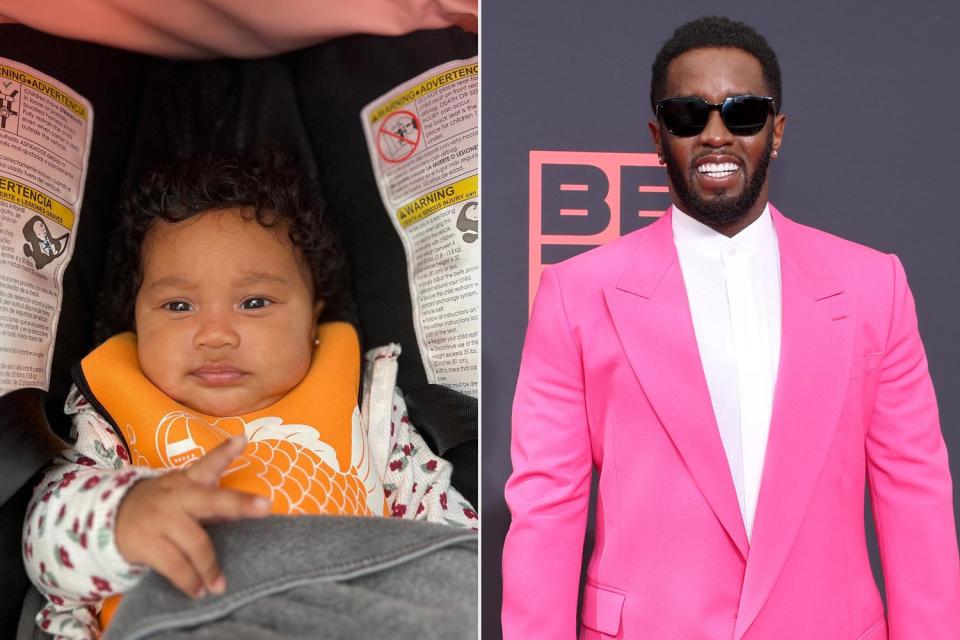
{"points": [[229, 401]]}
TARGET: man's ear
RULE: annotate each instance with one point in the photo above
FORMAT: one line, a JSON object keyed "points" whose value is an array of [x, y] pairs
{"points": [[317, 310], [779, 123], [655, 135]]}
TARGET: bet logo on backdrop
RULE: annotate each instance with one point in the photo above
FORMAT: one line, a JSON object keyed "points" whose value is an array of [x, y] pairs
{"points": [[583, 199]]}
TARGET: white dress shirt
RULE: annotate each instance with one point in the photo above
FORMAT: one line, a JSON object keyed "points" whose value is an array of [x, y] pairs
{"points": [[733, 287]]}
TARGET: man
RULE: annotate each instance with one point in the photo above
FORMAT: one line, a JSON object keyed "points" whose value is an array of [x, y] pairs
{"points": [[736, 378]]}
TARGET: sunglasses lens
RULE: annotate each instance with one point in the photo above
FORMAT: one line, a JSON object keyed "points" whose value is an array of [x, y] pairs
{"points": [[684, 117], [742, 115], [745, 115]]}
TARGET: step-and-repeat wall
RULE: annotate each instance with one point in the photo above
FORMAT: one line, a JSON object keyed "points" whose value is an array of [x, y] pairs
{"points": [[871, 152]]}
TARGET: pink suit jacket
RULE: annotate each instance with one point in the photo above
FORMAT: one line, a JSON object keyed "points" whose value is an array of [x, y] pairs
{"points": [[611, 378]]}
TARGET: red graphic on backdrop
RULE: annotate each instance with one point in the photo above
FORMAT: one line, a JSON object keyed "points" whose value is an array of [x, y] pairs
{"points": [[580, 200], [399, 136]]}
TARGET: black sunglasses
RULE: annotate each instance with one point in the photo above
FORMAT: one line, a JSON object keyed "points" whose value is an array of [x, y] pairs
{"points": [[742, 115]]}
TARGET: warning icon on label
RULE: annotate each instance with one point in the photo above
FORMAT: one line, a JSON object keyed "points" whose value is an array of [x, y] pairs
{"points": [[399, 136], [41, 245], [8, 101]]}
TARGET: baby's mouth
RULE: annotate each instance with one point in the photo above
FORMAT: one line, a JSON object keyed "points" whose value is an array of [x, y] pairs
{"points": [[217, 374]]}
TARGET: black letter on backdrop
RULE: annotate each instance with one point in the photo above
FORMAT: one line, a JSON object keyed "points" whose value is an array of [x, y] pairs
{"points": [[596, 212], [633, 201]]}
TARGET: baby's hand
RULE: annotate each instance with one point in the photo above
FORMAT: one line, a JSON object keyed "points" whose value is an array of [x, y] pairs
{"points": [[158, 523]]}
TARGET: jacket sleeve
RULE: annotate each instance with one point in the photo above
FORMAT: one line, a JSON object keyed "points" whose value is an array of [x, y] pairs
{"points": [[68, 539], [549, 489], [910, 486]]}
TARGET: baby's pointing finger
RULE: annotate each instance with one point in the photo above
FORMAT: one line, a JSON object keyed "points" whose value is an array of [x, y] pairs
{"points": [[207, 470], [217, 504]]}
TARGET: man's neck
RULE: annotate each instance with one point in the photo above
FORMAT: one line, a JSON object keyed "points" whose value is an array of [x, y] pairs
{"points": [[695, 228], [733, 228]]}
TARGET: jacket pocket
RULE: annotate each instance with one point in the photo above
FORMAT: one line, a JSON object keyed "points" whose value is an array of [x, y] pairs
{"points": [[877, 631], [602, 607], [868, 364]]}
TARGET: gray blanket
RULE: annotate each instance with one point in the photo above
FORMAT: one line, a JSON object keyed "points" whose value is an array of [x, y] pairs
{"points": [[319, 577]]}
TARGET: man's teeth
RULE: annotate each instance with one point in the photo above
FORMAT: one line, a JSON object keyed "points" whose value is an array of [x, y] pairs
{"points": [[718, 169]]}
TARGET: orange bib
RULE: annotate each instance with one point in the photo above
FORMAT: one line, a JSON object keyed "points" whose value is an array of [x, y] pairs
{"points": [[307, 452]]}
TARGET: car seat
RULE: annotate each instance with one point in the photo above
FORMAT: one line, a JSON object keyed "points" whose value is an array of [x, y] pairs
{"points": [[150, 110]]}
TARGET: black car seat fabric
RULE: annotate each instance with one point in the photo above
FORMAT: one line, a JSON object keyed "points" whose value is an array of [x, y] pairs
{"points": [[111, 80]]}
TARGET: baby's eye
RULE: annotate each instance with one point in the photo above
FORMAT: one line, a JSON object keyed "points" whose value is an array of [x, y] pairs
{"points": [[178, 306], [255, 303]]}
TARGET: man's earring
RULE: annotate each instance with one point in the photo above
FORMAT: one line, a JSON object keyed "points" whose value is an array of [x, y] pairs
{"points": [[775, 153], [316, 342], [660, 158]]}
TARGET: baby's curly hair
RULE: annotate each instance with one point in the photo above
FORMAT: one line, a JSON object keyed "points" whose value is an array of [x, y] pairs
{"points": [[265, 184]]}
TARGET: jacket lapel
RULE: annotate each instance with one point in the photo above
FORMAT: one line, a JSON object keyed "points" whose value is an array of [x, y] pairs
{"points": [[815, 357], [651, 314]]}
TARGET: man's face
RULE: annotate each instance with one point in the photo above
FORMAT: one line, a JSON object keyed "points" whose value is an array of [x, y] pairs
{"points": [[225, 317], [719, 199]]}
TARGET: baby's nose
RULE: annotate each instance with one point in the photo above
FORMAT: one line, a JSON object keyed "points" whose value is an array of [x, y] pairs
{"points": [[215, 332]]}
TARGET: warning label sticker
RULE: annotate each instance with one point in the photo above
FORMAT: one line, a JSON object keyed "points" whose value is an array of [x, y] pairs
{"points": [[45, 132], [422, 138]]}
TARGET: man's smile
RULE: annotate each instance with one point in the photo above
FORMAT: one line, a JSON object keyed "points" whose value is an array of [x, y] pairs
{"points": [[718, 172]]}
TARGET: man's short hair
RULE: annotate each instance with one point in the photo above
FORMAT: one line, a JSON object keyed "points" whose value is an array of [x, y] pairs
{"points": [[716, 31]]}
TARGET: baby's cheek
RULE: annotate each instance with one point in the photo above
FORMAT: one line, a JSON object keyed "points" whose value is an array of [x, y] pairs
{"points": [[293, 367], [158, 361], [303, 358]]}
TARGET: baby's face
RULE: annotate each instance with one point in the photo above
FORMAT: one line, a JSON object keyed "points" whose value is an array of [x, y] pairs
{"points": [[225, 316]]}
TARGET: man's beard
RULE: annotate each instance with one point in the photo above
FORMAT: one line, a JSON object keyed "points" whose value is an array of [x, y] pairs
{"points": [[722, 211]]}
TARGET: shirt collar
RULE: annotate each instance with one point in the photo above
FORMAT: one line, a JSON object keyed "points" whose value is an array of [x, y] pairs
{"points": [[693, 234]]}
